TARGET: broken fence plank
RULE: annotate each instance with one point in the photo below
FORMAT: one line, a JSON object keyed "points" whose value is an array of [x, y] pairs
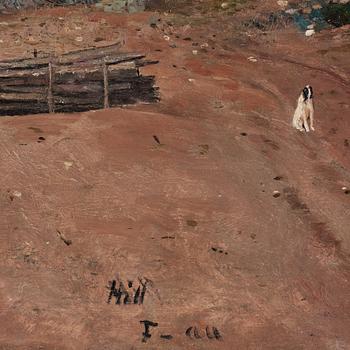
{"points": [[77, 72], [84, 64], [67, 58]]}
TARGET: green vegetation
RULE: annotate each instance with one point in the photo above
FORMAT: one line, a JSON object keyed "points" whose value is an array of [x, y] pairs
{"points": [[336, 14]]}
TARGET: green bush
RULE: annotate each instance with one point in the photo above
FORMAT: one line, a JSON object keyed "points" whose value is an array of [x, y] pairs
{"points": [[336, 14]]}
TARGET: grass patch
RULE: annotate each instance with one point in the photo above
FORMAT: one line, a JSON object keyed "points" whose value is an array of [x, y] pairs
{"points": [[336, 14]]}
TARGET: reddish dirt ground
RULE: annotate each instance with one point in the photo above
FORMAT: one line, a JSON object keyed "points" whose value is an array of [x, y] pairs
{"points": [[195, 214]]}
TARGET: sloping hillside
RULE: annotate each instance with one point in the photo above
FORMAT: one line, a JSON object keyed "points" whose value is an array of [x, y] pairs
{"points": [[234, 225]]}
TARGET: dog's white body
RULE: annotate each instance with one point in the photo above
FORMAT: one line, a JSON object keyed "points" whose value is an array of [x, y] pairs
{"points": [[304, 111]]}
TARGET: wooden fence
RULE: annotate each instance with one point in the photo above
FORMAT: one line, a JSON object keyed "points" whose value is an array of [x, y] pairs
{"points": [[77, 81]]}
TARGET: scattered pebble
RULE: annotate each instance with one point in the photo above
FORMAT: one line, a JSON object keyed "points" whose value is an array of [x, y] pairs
{"points": [[195, 52], [166, 37], [192, 223], [218, 105], [67, 165], [218, 250], [17, 194], [203, 149], [310, 32], [252, 59], [63, 238], [156, 138], [282, 3], [291, 11], [276, 194], [153, 20], [78, 38]]}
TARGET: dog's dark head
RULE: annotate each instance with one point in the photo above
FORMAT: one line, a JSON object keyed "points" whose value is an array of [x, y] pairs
{"points": [[308, 92]]}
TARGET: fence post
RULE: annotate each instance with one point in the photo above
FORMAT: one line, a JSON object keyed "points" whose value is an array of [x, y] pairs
{"points": [[50, 100], [105, 84]]}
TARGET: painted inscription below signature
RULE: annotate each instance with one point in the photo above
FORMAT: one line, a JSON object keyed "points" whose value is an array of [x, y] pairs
{"points": [[192, 332]]}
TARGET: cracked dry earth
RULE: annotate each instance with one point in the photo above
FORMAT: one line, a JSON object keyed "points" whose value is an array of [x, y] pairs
{"points": [[206, 214]]}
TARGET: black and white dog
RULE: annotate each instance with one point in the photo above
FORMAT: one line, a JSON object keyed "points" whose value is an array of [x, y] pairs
{"points": [[304, 111]]}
